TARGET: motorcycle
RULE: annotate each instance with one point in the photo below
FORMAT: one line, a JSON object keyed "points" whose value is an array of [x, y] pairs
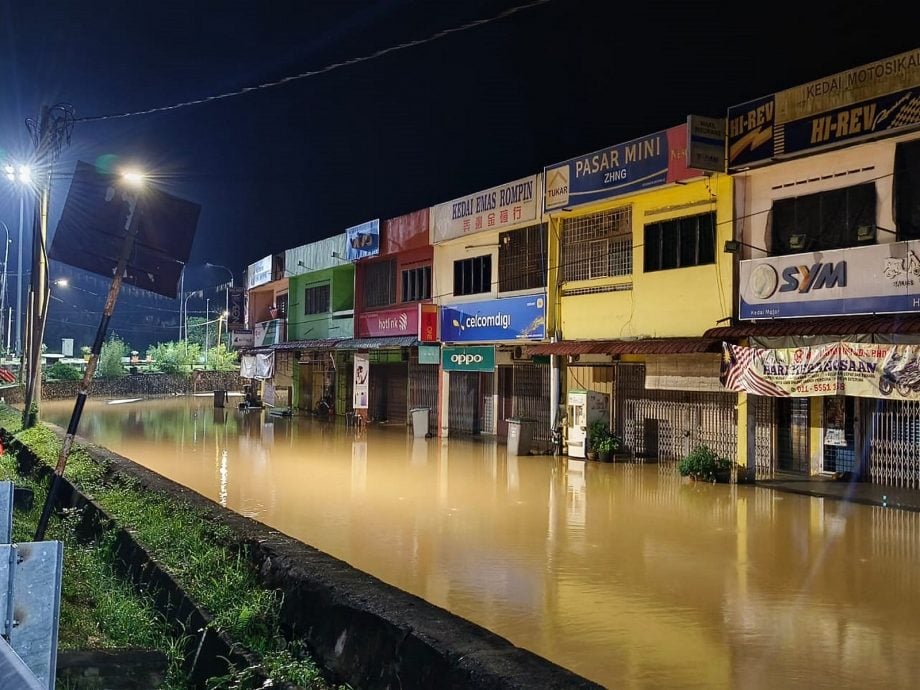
{"points": [[903, 378]]}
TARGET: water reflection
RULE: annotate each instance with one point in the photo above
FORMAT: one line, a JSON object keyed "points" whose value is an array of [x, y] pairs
{"points": [[623, 573]]}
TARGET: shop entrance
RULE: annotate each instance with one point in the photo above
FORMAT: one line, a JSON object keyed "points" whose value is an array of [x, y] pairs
{"points": [[840, 435], [792, 435]]}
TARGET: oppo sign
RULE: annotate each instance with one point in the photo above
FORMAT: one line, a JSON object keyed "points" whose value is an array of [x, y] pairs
{"points": [[479, 358]]}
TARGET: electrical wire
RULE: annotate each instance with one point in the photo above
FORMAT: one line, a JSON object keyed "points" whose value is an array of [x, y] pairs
{"points": [[443, 33]]}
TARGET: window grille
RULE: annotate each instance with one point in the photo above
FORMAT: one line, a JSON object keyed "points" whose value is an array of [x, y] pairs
{"points": [[473, 276], [680, 242], [598, 245], [316, 299], [522, 259], [835, 219], [380, 284], [416, 284], [281, 304]]}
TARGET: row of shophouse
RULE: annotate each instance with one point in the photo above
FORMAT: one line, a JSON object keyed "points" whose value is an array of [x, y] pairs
{"points": [[750, 283]]}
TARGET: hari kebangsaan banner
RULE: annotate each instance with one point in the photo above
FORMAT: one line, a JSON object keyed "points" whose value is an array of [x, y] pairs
{"points": [[857, 369]]}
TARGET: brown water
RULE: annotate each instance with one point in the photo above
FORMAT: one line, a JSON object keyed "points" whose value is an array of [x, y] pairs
{"points": [[622, 573]]}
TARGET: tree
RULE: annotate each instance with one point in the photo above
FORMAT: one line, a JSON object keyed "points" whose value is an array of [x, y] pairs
{"points": [[221, 359], [174, 357], [114, 350], [197, 331]]}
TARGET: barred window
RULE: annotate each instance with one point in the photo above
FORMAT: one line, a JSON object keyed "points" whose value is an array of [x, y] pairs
{"points": [[834, 219], [680, 242], [416, 284], [522, 259], [380, 284], [598, 245], [316, 299], [281, 304], [472, 276]]}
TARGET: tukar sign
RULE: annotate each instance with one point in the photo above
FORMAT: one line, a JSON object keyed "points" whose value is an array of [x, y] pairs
{"points": [[640, 164], [491, 209], [470, 358], [362, 240], [857, 369], [509, 318], [878, 99], [879, 278]]}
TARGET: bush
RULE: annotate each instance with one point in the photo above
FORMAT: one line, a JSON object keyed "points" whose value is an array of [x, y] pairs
{"points": [[703, 463], [113, 352], [63, 372]]}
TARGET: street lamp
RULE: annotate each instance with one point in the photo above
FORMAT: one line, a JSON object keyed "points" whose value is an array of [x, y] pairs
{"points": [[227, 298], [64, 282], [3, 320]]}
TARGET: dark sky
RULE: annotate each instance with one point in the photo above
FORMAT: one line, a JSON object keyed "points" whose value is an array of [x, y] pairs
{"points": [[284, 166]]}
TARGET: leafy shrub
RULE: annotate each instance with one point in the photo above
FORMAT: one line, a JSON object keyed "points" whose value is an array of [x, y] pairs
{"points": [[703, 463], [113, 352], [63, 372]]}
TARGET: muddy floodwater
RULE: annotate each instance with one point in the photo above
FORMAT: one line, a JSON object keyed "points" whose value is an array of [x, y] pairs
{"points": [[622, 573]]}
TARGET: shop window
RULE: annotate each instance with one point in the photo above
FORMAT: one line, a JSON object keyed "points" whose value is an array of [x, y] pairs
{"points": [[473, 276], [416, 284], [907, 190], [680, 242], [281, 304], [834, 219], [380, 284], [316, 299], [522, 259], [598, 245]]}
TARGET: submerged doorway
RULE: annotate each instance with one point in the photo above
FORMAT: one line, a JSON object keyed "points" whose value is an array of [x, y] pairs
{"points": [[792, 435]]}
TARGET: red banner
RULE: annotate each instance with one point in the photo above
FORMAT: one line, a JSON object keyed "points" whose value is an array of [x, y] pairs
{"points": [[388, 322], [428, 323]]}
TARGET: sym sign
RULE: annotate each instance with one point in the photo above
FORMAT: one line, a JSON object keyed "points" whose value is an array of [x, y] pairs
{"points": [[879, 278], [471, 358], [510, 318]]}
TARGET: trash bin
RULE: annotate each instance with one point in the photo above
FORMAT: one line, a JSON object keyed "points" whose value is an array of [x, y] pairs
{"points": [[420, 421], [520, 436], [219, 396]]}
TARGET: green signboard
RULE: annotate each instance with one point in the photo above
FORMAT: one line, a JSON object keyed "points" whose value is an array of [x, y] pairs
{"points": [[429, 354], [472, 358]]}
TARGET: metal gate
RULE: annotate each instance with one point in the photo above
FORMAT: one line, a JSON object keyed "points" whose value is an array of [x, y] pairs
{"points": [[892, 430], [792, 430], [666, 425], [389, 394], [469, 402], [423, 388], [762, 408], [531, 398]]}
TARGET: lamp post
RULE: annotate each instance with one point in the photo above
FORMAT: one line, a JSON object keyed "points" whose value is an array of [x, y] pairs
{"points": [[207, 331], [22, 176], [227, 297], [6, 256]]}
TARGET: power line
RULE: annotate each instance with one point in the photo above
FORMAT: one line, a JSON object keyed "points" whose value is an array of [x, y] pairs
{"points": [[443, 33]]}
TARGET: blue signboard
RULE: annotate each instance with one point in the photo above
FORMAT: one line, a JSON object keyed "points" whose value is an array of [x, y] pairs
{"points": [[750, 132], [510, 318], [627, 168], [362, 240]]}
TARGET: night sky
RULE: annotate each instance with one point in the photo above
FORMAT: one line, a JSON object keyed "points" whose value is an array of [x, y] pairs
{"points": [[281, 167]]}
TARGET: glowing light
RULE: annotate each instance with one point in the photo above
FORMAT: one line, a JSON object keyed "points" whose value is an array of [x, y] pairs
{"points": [[61, 282], [25, 174], [135, 178], [10, 172]]}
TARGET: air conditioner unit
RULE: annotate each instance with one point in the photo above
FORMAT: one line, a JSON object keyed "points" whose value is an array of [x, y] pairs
{"points": [[519, 354]]}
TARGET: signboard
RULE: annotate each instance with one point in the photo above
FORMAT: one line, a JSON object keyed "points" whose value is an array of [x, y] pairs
{"points": [[388, 322], [241, 338], [637, 165], [706, 143], [510, 318], [268, 333], [854, 369], [362, 370], [362, 240], [878, 278], [236, 319], [428, 323], [429, 354], [470, 358], [880, 98], [496, 208], [259, 273]]}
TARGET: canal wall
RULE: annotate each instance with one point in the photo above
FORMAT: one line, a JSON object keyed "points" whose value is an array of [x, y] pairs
{"points": [[135, 384], [363, 631]]}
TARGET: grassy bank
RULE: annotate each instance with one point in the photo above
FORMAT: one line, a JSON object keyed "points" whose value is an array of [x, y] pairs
{"points": [[99, 610]]}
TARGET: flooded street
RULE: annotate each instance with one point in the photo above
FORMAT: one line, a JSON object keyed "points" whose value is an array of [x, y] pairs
{"points": [[622, 573]]}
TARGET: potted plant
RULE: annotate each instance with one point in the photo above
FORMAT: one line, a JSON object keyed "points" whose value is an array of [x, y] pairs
{"points": [[86, 350], [606, 446], [273, 311], [703, 464], [597, 432]]}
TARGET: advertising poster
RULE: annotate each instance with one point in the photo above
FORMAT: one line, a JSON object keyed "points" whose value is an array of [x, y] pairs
{"points": [[508, 318], [362, 375]]}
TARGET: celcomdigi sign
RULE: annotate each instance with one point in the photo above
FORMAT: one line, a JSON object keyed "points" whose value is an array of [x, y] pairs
{"points": [[510, 318]]}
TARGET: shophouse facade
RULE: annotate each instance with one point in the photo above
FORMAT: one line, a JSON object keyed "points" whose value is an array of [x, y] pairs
{"points": [[636, 278], [827, 206], [490, 268], [394, 314]]}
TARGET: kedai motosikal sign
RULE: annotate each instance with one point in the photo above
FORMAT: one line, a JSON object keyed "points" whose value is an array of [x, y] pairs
{"points": [[879, 278], [491, 209], [639, 164], [510, 318]]}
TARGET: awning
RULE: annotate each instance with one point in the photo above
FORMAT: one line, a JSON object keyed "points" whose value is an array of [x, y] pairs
{"points": [[318, 344], [840, 325], [650, 346], [382, 343]]}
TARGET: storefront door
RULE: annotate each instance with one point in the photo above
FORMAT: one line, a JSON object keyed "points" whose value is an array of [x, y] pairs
{"points": [[792, 435], [840, 435]]}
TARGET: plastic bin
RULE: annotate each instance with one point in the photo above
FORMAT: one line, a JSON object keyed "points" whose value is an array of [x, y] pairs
{"points": [[420, 417], [520, 436], [219, 397]]}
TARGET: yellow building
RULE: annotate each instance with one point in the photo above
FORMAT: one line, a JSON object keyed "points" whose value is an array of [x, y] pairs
{"points": [[637, 276]]}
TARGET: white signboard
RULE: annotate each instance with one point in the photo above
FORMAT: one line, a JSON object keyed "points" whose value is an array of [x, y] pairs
{"points": [[242, 338], [362, 374], [260, 272], [499, 207], [875, 279]]}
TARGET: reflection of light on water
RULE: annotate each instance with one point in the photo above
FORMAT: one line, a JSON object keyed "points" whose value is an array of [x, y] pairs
{"points": [[575, 493], [358, 467], [224, 478]]}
